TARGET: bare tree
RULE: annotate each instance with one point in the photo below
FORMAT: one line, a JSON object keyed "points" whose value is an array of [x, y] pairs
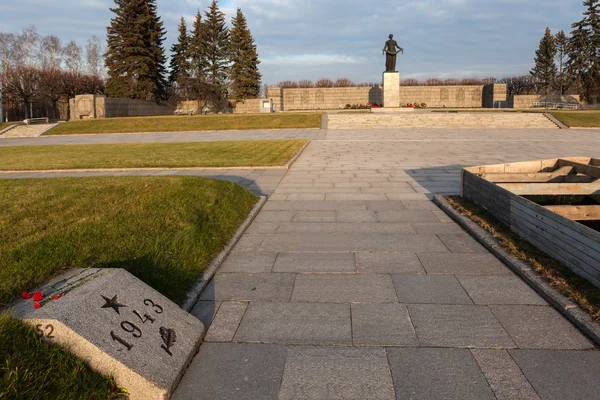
{"points": [[409, 82], [306, 84], [22, 82], [25, 50], [344, 82], [73, 57], [324, 83], [451, 82], [521, 84], [288, 84], [51, 52], [433, 82], [93, 54]]}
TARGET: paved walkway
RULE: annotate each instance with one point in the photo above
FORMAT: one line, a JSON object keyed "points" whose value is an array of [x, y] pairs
{"points": [[351, 284]]}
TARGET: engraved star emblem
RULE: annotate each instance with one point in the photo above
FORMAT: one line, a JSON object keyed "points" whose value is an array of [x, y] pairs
{"points": [[112, 303]]}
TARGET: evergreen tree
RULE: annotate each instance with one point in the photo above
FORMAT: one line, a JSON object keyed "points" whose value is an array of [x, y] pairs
{"points": [[215, 47], [545, 68], [198, 64], [562, 49], [578, 56], [135, 56], [244, 74], [180, 65], [585, 51]]}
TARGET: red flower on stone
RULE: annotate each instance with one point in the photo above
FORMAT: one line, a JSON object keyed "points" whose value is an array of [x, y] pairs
{"points": [[56, 297], [37, 296], [36, 305], [25, 295]]}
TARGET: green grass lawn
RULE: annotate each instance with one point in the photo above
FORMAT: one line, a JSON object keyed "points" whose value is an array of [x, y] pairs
{"points": [[4, 125], [190, 123], [35, 369], [252, 153], [164, 230], [578, 119]]}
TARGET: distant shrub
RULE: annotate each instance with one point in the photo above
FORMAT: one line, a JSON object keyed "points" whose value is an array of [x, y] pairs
{"points": [[344, 82], [288, 84], [306, 84], [324, 83]]}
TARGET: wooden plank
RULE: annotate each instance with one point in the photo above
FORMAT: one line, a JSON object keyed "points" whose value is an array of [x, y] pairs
{"points": [[578, 232], [532, 189], [546, 248], [577, 213], [539, 177], [581, 168], [584, 232], [560, 239]]}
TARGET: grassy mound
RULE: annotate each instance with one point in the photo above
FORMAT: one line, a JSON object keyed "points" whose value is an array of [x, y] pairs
{"points": [[164, 230], [35, 369], [190, 123], [252, 153]]}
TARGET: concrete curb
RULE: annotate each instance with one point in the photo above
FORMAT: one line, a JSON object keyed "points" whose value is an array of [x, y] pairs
{"points": [[193, 295], [556, 121], [3, 131], [560, 302], [296, 155], [324, 121]]}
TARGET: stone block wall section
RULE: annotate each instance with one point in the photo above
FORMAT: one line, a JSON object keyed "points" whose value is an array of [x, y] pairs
{"points": [[97, 106], [434, 96], [527, 101]]}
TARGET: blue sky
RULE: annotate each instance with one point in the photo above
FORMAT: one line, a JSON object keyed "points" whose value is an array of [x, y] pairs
{"points": [[310, 39]]}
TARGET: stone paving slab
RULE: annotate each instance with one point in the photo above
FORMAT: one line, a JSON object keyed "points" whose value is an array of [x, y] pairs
{"points": [[540, 327], [458, 326], [249, 287], [343, 228], [437, 374], [465, 264], [559, 375], [352, 242], [290, 323], [315, 262], [430, 289], [507, 289], [233, 371], [344, 288], [504, 375], [462, 243], [382, 324], [388, 263], [226, 321], [249, 262], [336, 373]]}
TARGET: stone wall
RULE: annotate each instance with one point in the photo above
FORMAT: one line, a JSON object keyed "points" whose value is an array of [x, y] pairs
{"points": [[434, 96], [443, 96], [328, 98], [527, 101], [248, 106], [96, 106]]}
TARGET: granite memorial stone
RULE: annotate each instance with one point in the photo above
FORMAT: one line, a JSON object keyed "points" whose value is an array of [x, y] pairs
{"points": [[119, 325]]}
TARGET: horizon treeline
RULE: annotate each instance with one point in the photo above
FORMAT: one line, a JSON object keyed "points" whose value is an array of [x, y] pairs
{"points": [[45, 71], [209, 62]]}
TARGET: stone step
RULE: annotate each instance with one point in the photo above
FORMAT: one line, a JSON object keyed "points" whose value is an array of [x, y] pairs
{"points": [[441, 120], [28, 131]]}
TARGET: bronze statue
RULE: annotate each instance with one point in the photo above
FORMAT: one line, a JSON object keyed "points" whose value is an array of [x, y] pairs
{"points": [[390, 54]]}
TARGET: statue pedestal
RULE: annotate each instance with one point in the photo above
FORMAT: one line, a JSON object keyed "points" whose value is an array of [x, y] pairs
{"points": [[391, 89]]}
